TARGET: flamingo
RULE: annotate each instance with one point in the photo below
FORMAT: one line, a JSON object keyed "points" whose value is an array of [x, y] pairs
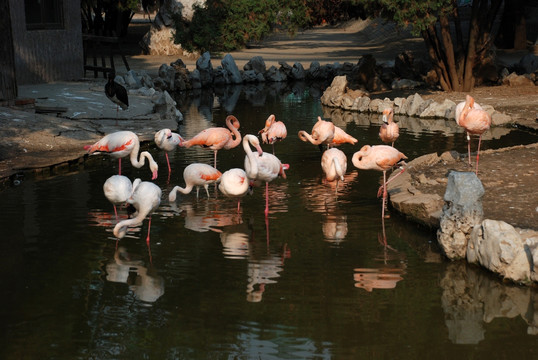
{"points": [[322, 133], [118, 189], [146, 198], [166, 140], [234, 183], [121, 144], [378, 157], [273, 131], [389, 130], [196, 175], [116, 93], [217, 138], [262, 166], [341, 137], [474, 120], [334, 165]]}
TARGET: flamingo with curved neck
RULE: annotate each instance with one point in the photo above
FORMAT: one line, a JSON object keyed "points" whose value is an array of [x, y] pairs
{"points": [[217, 138], [273, 131], [167, 140], [118, 189], [322, 133], [121, 144], [262, 166], [389, 130], [196, 174], [146, 198], [334, 165]]}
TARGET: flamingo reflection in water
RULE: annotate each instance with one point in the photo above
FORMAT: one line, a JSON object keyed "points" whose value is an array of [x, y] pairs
{"points": [[388, 274], [334, 228], [145, 284], [206, 216]]}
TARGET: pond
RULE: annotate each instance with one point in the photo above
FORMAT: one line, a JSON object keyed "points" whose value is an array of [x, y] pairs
{"points": [[321, 277]]}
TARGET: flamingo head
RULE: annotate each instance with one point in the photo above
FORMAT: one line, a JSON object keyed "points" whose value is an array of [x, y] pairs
{"points": [[120, 230], [387, 115], [282, 168], [154, 169], [233, 121]]}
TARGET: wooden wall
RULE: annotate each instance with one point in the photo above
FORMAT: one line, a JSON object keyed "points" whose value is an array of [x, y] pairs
{"points": [[47, 55]]}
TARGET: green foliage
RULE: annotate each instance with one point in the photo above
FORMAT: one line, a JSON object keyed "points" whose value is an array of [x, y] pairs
{"points": [[225, 25], [418, 14]]}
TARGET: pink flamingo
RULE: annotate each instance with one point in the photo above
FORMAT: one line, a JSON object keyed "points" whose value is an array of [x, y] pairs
{"points": [[217, 138], [389, 130], [273, 131], [322, 133], [262, 166], [234, 183], [118, 189], [341, 137], [196, 175], [146, 198], [378, 157], [121, 144], [334, 165], [474, 120], [166, 140]]}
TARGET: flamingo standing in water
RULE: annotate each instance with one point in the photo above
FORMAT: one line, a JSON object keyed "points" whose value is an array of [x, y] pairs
{"points": [[322, 133], [146, 198], [118, 189], [273, 131], [381, 158], [196, 175], [234, 183], [166, 140], [262, 166], [217, 138], [121, 144], [334, 165], [389, 130], [474, 120]]}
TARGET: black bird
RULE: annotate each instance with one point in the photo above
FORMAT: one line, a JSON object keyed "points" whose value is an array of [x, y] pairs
{"points": [[116, 92]]}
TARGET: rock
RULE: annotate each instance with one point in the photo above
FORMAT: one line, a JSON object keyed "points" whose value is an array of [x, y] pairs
{"points": [[364, 72], [386, 104], [498, 247], [436, 110], [249, 76], [399, 84], [168, 74], [461, 212], [220, 76], [131, 81], [361, 104], [531, 248], [275, 75], [529, 63], [374, 105], [203, 65], [517, 80], [195, 79], [498, 119], [403, 65], [298, 72], [333, 94], [314, 71], [229, 65], [257, 64], [414, 103]]}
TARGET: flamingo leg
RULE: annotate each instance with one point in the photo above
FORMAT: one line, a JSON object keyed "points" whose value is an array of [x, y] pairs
{"points": [[206, 187], [266, 199], [392, 178], [478, 153], [384, 194], [116, 212], [149, 229], [469, 147], [119, 163], [168, 162], [215, 159], [238, 205]]}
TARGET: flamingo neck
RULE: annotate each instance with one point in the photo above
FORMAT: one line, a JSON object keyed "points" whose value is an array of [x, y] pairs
{"points": [[307, 137], [252, 170], [121, 228], [338, 169], [236, 135], [186, 190]]}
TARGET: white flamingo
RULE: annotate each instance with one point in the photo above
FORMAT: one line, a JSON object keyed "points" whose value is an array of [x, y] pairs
{"points": [[168, 141], [118, 189], [196, 174], [262, 166], [334, 165], [146, 198], [234, 183]]}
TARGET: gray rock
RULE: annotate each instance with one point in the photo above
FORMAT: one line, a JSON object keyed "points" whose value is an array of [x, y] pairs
{"points": [[437, 110], [461, 212], [400, 84], [362, 104], [498, 247], [204, 66], [228, 63], [415, 102], [275, 75], [195, 79], [529, 63], [517, 80], [249, 76], [257, 64]]}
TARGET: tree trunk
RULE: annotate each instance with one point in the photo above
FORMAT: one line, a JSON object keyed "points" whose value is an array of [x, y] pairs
{"points": [[8, 80]]}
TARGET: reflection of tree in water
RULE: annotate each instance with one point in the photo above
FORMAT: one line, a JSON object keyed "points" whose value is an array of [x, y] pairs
{"points": [[472, 298]]}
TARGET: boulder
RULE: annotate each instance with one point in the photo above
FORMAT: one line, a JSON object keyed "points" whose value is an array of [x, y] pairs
{"points": [[203, 65], [498, 247], [229, 65], [461, 212], [257, 64]]}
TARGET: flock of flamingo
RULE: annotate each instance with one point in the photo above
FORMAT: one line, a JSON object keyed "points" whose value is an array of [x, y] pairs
{"points": [[259, 166]]}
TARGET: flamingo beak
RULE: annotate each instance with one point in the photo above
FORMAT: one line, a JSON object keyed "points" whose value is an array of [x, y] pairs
{"points": [[154, 175], [282, 168], [259, 149], [385, 120]]}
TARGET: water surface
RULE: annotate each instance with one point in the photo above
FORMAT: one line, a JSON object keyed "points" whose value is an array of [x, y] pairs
{"points": [[320, 278]]}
